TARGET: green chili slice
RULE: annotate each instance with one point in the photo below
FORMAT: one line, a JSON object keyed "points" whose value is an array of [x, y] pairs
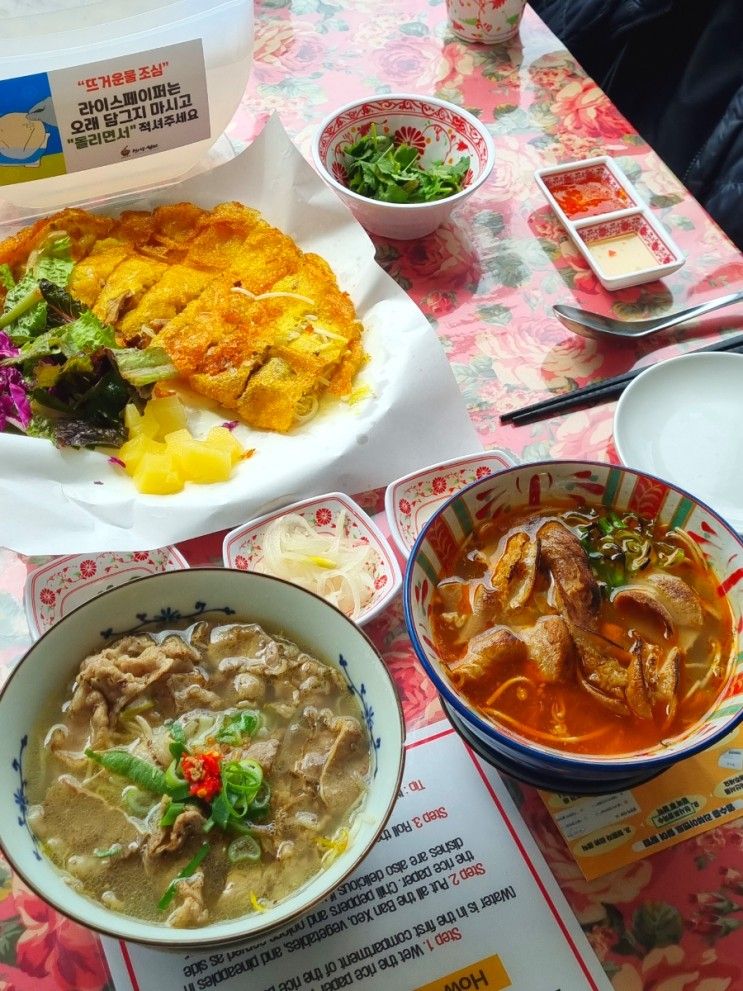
{"points": [[147, 776], [188, 871], [245, 848]]}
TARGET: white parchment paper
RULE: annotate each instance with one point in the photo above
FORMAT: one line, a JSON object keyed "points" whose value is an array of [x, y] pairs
{"points": [[61, 502]]}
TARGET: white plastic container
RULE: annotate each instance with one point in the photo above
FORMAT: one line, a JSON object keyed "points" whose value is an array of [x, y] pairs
{"points": [[186, 59]]}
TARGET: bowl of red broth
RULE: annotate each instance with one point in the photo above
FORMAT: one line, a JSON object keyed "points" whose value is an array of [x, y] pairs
{"points": [[581, 622], [213, 753]]}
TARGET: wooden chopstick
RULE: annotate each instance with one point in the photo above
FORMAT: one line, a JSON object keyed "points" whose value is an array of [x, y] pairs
{"points": [[598, 392]]}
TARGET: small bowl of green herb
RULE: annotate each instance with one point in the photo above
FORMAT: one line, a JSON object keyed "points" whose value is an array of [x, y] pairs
{"points": [[401, 162]]}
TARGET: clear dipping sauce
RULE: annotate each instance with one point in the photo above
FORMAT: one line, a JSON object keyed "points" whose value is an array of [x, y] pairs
{"points": [[623, 254]]}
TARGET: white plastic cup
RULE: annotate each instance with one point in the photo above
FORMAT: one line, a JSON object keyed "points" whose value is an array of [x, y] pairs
{"points": [[486, 22]]}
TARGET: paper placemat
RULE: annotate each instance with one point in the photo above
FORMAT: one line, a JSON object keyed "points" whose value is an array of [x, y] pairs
{"points": [[455, 895]]}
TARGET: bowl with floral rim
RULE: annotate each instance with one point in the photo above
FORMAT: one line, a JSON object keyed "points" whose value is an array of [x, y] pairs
{"points": [[244, 547], [440, 131], [602, 488], [177, 600], [411, 500]]}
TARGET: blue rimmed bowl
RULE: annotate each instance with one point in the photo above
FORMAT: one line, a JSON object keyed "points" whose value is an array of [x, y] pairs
{"points": [[180, 598], [581, 483]]}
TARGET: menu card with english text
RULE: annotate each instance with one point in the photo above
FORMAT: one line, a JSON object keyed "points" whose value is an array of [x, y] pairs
{"points": [[454, 896]]}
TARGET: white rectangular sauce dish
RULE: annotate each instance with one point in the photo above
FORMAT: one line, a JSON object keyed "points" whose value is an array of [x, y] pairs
{"points": [[620, 239]]}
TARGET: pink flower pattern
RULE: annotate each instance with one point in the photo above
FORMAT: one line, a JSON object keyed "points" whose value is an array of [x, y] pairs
{"points": [[88, 568]]}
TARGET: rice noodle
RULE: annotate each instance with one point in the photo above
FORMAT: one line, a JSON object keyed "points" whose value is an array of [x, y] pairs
{"points": [[329, 564], [313, 405], [329, 334], [507, 684], [496, 714], [274, 295]]}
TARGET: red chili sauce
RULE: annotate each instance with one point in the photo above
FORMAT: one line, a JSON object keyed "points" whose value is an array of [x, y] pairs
{"points": [[588, 199]]}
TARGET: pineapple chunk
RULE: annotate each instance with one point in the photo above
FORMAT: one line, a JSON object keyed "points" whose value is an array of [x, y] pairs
{"points": [[198, 462], [132, 417], [178, 437], [168, 413], [132, 452], [222, 439], [156, 474], [143, 427]]}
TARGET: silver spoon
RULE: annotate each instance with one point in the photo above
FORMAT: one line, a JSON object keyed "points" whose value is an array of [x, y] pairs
{"points": [[594, 325]]}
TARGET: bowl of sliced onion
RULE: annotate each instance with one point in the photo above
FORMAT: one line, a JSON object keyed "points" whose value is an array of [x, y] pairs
{"points": [[326, 544]]}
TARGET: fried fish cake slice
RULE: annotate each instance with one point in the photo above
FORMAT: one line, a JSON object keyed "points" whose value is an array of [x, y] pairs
{"points": [[178, 286], [236, 238], [125, 287], [269, 357], [166, 233], [215, 318], [90, 275], [274, 396]]}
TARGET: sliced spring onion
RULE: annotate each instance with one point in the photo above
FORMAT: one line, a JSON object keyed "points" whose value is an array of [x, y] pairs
{"points": [[241, 781], [259, 805], [171, 813], [136, 709], [112, 851], [188, 871], [244, 848], [237, 726], [200, 729], [332, 565], [177, 744], [175, 785]]}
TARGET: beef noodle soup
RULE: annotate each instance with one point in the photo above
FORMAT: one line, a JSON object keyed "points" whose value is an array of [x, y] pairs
{"points": [[584, 630], [195, 776]]}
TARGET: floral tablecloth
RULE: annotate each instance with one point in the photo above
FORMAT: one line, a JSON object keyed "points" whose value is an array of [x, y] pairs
{"points": [[487, 282]]}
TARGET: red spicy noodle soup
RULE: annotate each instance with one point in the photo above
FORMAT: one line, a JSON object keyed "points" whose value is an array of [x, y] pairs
{"points": [[584, 630]]}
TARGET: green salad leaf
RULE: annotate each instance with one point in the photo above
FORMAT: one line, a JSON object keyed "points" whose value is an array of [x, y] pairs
{"points": [[24, 312], [393, 173], [78, 380]]}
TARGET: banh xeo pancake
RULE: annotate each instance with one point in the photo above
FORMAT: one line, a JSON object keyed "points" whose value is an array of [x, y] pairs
{"points": [[247, 318]]}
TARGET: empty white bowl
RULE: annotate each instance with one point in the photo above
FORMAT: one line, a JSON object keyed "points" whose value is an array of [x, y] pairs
{"points": [[243, 547], [64, 583], [412, 500], [442, 132]]}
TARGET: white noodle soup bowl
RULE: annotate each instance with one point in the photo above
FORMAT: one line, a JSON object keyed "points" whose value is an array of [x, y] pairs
{"points": [[572, 484], [44, 675], [442, 131]]}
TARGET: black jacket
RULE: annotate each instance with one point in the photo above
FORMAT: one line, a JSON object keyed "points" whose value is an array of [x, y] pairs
{"points": [[675, 70]]}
